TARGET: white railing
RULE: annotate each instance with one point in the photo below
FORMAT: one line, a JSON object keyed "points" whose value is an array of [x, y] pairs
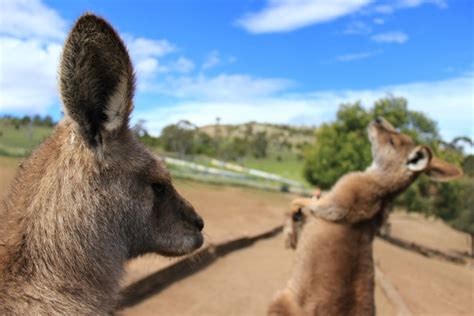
{"points": [[255, 172], [233, 172]]}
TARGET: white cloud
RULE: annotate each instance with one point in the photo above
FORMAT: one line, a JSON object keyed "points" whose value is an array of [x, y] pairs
{"points": [[220, 87], [28, 74], [384, 9], [270, 110], [390, 37], [145, 54], [379, 21], [30, 19], [289, 15], [417, 3], [31, 37], [357, 56], [450, 102], [212, 60], [141, 48], [148, 56], [357, 27], [391, 6], [183, 65]]}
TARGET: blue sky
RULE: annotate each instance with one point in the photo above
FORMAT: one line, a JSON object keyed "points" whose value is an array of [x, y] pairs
{"points": [[280, 61]]}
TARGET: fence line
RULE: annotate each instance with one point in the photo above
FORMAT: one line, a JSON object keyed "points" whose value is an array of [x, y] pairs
{"points": [[236, 175]]}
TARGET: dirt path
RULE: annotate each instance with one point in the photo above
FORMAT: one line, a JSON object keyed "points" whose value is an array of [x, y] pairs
{"points": [[429, 232], [228, 213], [242, 283], [428, 286]]}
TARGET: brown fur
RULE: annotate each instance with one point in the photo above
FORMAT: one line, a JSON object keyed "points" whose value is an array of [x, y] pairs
{"points": [[90, 197], [334, 272], [295, 220]]}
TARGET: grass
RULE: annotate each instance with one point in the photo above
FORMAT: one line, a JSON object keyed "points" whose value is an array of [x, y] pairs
{"points": [[18, 142], [289, 166], [13, 137]]}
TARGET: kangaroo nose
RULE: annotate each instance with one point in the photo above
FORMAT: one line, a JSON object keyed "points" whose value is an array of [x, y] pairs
{"points": [[199, 223], [378, 120]]}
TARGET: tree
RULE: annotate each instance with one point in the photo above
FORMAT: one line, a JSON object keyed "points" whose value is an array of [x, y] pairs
{"points": [[204, 144], [259, 145], [339, 147], [139, 128], [468, 165], [179, 137], [454, 204], [342, 146]]}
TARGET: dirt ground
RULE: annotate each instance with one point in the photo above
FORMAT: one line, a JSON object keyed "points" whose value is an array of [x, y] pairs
{"points": [[429, 232], [243, 282], [228, 213]]}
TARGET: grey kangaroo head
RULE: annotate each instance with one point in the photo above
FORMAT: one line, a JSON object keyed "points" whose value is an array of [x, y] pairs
{"points": [[97, 86], [91, 196], [397, 153]]}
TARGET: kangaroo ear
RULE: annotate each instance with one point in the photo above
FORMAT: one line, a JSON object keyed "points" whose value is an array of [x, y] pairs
{"points": [[419, 158], [96, 79], [440, 170]]}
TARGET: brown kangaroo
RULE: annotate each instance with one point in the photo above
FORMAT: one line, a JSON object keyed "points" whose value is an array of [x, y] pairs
{"points": [[90, 197], [334, 269]]}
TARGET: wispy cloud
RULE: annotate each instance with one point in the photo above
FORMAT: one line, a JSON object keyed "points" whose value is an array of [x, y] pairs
{"points": [[221, 87], [146, 54], [417, 3], [184, 65], [289, 15], [379, 21], [448, 101], [28, 74], [31, 36], [31, 39], [31, 19], [212, 60], [357, 27], [357, 56], [388, 7], [390, 37], [142, 48]]}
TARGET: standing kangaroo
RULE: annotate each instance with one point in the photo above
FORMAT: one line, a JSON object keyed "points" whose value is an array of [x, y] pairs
{"points": [[334, 269], [90, 197]]}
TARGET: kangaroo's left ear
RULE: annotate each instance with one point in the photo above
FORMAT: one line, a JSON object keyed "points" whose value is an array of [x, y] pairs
{"points": [[96, 79], [440, 170], [419, 159]]}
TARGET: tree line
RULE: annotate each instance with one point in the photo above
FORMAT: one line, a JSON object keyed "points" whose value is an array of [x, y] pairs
{"points": [[185, 138]]}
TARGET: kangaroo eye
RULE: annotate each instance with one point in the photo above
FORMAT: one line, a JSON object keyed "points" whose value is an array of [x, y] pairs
{"points": [[158, 188], [392, 142]]}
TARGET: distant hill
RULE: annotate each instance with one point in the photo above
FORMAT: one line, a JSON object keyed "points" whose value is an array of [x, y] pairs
{"points": [[277, 134], [19, 136]]}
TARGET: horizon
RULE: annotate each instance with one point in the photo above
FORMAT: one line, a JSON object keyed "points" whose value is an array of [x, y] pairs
{"points": [[256, 60]]}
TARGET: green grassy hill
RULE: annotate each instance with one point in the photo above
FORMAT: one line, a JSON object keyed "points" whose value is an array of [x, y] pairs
{"points": [[18, 140], [284, 153], [295, 136]]}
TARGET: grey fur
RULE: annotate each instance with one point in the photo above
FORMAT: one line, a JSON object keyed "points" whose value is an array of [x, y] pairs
{"points": [[90, 197]]}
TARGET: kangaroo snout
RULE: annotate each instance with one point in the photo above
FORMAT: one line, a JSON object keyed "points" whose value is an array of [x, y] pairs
{"points": [[190, 215], [381, 122], [197, 221]]}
